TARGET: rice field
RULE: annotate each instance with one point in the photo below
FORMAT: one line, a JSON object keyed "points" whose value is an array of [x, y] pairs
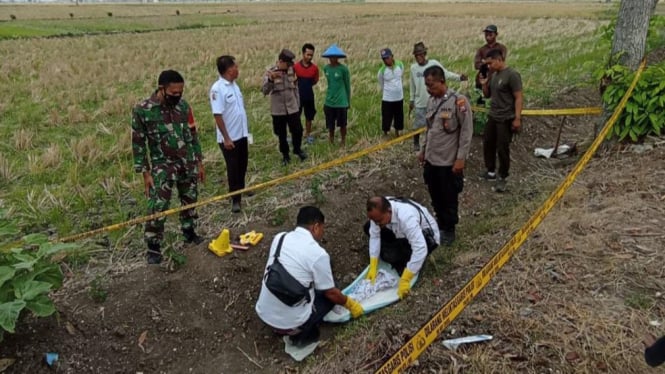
{"points": [[67, 112]]}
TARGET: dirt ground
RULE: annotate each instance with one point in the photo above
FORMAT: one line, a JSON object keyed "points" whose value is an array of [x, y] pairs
{"points": [[576, 298]]}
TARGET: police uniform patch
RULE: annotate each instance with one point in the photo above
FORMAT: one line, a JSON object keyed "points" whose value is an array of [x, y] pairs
{"points": [[461, 105], [214, 95]]}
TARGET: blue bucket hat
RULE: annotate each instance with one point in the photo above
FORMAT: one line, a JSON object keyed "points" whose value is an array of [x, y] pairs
{"points": [[334, 51]]}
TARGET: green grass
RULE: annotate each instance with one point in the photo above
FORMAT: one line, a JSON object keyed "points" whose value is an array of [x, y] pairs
{"points": [[639, 301], [85, 88], [109, 25], [98, 290]]}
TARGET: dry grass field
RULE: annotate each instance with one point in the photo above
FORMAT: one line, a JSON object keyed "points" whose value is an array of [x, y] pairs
{"points": [[81, 88], [577, 298]]}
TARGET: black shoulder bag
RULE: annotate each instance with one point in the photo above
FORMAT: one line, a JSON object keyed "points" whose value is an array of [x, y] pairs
{"points": [[282, 284], [428, 232]]}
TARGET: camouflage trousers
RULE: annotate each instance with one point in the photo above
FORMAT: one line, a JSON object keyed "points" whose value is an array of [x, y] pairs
{"points": [[165, 177]]}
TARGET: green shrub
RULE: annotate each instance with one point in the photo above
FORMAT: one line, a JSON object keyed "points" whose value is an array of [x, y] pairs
{"points": [[177, 259], [316, 190], [28, 272], [645, 110], [279, 216], [98, 289], [655, 34]]}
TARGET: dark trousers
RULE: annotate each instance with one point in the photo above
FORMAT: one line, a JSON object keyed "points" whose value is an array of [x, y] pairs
{"points": [[396, 252], [655, 354], [392, 111], [444, 188], [236, 165], [496, 141], [335, 116], [279, 125], [309, 331]]}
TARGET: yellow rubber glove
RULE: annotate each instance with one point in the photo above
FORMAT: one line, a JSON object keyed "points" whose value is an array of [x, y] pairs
{"points": [[373, 265], [404, 285], [354, 307]]}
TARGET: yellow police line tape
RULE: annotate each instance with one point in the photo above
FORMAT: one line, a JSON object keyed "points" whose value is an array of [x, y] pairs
{"points": [[448, 312], [301, 173], [296, 175], [553, 112]]}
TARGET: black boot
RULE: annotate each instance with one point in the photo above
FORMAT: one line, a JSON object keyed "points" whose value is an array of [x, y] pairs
{"points": [[154, 253], [302, 155], [191, 237], [447, 238], [416, 143], [236, 207]]}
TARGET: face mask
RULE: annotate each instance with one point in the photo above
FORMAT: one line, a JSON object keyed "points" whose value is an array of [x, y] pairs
{"points": [[171, 100]]}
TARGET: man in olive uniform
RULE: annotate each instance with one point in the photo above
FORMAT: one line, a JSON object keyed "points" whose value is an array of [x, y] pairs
{"points": [[281, 83], [479, 62], [446, 147], [168, 153], [504, 118]]}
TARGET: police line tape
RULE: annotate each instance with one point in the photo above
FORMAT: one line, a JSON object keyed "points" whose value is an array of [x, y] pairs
{"points": [[301, 173], [552, 112], [426, 335], [270, 183]]}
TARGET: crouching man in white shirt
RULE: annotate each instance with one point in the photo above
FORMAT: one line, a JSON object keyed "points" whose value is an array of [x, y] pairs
{"points": [[306, 261], [396, 235]]}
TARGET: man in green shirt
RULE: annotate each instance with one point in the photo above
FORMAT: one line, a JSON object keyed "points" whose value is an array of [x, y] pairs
{"points": [[338, 95]]}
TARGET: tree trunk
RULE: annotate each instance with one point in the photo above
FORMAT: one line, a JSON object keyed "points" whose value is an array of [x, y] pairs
{"points": [[630, 34], [629, 43]]}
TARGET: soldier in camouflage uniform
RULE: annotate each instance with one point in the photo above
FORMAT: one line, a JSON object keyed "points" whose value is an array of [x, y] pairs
{"points": [[166, 123]]}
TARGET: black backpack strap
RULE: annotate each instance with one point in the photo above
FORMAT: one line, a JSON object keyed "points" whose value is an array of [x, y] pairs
{"points": [[277, 252], [430, 119], [420, 211], [279, 245]]}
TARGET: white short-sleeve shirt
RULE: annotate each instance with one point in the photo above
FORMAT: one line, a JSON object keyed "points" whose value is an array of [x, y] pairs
{"points": [[307, 262], [390, 81], [226, 100]]}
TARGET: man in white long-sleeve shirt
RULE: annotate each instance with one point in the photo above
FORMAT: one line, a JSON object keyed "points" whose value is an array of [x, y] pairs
{"points": [[396, 235], [418, 91]]}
